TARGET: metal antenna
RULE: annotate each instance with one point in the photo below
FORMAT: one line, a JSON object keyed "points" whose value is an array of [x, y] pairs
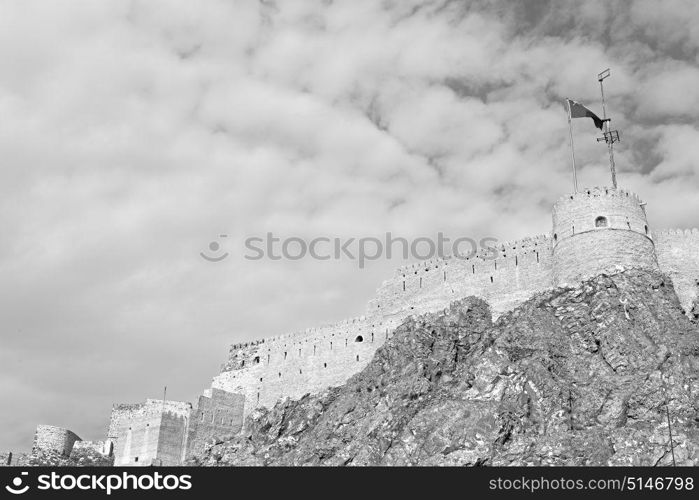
{"points": [[609, 136]]}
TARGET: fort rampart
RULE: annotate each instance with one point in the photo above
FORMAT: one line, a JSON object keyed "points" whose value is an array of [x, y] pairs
{"points": [[57, 439], [593, 231]]}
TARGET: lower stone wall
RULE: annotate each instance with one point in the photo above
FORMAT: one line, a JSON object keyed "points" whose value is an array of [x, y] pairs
{"points": [[218, 415], [172, 439], [105, 448], [136, 430], [50, 438]]}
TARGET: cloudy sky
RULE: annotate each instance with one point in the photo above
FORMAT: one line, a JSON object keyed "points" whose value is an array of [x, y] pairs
{"points": [[134, 133]]}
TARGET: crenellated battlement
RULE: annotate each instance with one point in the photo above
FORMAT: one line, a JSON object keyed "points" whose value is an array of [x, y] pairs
{"points": [[299, 334], [495, 250], [599, 192], [593, 230]]}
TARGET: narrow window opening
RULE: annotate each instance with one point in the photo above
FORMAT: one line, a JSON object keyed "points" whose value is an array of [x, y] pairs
{"points": [[491, 279], [516, 261], [284, 354], [646, 229], [325, 365], [404, 286], [357, 357], [420, 281]]}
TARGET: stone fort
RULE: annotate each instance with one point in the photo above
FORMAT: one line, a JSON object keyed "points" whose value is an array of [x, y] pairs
{"points": [[594, 231]]}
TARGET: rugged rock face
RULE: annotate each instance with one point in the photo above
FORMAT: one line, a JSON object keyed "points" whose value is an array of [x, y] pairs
{"points": [[575, 376]]}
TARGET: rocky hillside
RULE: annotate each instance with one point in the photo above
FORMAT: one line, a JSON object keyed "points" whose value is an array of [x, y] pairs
{"points": [[575, 376]]}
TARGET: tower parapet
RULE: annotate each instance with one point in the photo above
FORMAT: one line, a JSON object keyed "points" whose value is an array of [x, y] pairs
{"points": [[598, 229]]}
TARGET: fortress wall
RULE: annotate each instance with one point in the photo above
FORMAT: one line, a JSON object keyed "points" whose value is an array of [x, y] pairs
{"points": [[591, 253], [312, 360], [583, 248], [219, 414], [50, 438], [505, 278], [678, 256], [172, 439], [294, 365], [103, 447], [135, 429], [576, 213]]}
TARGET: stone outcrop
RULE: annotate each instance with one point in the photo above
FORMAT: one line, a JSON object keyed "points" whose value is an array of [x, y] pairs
{"points": [[583, 375]]}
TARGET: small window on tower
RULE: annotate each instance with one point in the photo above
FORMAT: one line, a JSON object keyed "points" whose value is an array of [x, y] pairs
{"points": [[601, 222]]}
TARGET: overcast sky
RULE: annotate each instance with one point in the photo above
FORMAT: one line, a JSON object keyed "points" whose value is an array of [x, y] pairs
{"points": [[133, 133]]}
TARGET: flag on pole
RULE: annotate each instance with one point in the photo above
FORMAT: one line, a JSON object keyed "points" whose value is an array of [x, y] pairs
{"points": [[577, 110]]}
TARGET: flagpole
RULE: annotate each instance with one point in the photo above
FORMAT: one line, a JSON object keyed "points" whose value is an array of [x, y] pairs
{"points": [[572, 149], [608, 139]]}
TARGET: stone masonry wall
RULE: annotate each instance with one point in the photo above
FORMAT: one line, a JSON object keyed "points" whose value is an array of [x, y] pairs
{"points": [[219, 414], [172, 438], [135, 430], [505, 276], [583, 248], [293, 365], [102, 447], [678, 256], [50, 438]]}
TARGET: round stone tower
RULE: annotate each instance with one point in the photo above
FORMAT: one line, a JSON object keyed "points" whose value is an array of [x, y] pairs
{"points": [[597, 229]]}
